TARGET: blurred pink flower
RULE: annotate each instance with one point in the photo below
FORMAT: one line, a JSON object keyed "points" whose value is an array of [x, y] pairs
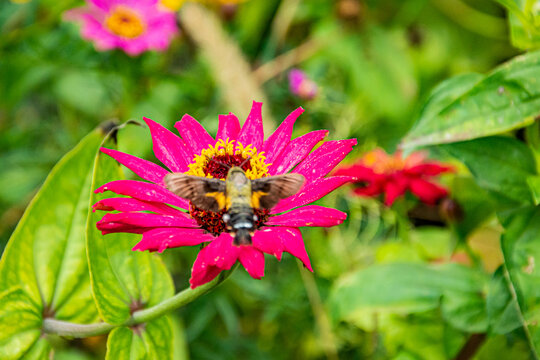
{"points": [[134, 26], [392, 175], [147, 210], [302, 86]]}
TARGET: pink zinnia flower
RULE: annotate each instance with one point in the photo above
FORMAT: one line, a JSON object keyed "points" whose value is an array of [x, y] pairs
{"points": [[133, 26], [379, 173], [301, 85], [167, 221]]}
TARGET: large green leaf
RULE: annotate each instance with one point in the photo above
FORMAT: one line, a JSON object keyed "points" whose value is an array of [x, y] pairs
{"points": [[501, 165], [122, 279], [468, 107], [148, 341], [403, 288], [45, 259], [521, 249]]}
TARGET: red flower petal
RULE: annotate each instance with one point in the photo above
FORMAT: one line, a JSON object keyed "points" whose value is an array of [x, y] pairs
{"points": [[296, 151], [294, 245], [169, 148], [194, 134], [426, 191], [130, 205], [252, 131], [163, 238], [265, 240], [313, 191], [252, 260], [140, 222], [274, 145], [144, 168], [395, 187], [219, 255], [144, 191], [428, 169], [228, 127], [311, 215], [323, 159]]}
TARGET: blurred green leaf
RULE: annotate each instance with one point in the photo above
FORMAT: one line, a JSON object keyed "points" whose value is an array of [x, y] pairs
{"points": [[500, 165], [152, 340], [45, 258], [502, 308], [83, 90], [122, 279], [410, 288], [468, 107], [524, 23]]}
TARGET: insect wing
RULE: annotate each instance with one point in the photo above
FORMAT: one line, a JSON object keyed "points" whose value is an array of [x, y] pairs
{"points": [[267, 192], [206, 194]]}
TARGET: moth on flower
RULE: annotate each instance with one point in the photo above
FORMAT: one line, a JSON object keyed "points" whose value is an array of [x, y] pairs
{"points": [[233, 193]]}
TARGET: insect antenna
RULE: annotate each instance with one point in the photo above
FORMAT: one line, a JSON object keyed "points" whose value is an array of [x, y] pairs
{"points": [[244, 162]]}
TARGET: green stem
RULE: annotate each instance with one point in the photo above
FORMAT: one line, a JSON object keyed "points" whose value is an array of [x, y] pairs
{"points": [[65, 328]]}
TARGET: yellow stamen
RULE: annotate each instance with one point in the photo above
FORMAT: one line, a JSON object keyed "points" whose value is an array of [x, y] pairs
{"points": [[257, 160], [125, 22]]}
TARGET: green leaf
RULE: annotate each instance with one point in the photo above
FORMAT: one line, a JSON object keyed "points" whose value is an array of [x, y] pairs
{"points": [[410, 288], [153, 340], [39, 351], [521, 249], [502, 308], [122, 279], [524, 23], [20, 323], [45, 258], [468, 107], [534, 186], [498, 164]]}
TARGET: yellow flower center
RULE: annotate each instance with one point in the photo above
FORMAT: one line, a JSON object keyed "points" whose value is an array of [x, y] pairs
{"points": [[215, 161], [125, 22], [382, 163]]}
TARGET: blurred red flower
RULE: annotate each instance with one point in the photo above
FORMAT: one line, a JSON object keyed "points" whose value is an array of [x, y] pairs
{"points": [[392, 175]]}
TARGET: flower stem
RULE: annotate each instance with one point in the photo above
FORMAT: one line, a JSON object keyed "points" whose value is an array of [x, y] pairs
{"points": [[65, 328]]}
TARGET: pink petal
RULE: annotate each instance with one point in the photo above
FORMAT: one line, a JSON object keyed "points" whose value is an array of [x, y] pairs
{"points": [[311, 215], [140, 222], [228, 127], [169, 148], [296, 151], [252, 260], [219, 255], [311, 192], [274, 145], [130, 205], [323, 159], [144, 168], [252, 131], [265, 240], [194, 134], [144, 191], [294, 245], [164, 238]]}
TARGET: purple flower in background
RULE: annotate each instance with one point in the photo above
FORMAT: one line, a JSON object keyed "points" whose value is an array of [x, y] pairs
{"points": [[301, 85], [133, 26]]}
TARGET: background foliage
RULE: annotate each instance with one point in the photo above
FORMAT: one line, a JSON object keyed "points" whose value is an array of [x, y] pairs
{"points": [[453, 77]]}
